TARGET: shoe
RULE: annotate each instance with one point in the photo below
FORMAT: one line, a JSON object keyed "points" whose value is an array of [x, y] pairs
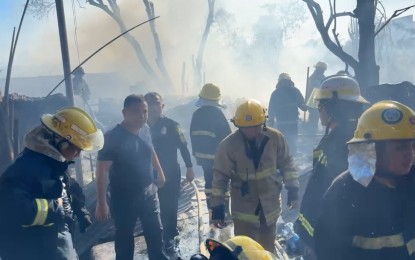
{"points": [[171, 250]]}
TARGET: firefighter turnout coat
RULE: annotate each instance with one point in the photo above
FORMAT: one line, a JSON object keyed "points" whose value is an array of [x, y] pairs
{"points": [[329, 161], [253, 187], [31, 218], [207, 129], [371, 223]]}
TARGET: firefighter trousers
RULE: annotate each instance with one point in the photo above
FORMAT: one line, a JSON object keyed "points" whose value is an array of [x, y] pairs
{"points": [[264, 234], [208, 174], [126, 208]]}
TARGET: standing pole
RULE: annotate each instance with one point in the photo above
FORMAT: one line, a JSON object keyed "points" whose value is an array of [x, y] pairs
{"points": [[9, 72], [60, 12], [64, 49]]}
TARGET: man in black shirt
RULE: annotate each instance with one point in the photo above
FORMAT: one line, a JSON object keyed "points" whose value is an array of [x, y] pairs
{"points": [[167, 137], [128, 160]]}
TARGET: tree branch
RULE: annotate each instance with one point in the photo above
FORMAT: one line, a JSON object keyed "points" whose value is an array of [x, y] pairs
{"points": [[334, 16], [102, 6], [394, 15], [317, 15]]}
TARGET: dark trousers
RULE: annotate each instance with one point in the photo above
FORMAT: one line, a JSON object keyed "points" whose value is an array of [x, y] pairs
{"points": [[208, 174], [65, 250], [290, 131], [169, 196], [126, 207]]}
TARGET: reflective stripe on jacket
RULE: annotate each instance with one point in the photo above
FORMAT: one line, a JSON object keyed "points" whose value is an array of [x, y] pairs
{"points": [[264, 183], [207, 129]]}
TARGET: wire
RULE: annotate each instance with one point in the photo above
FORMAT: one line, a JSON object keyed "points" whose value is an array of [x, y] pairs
{"points": [[76, 30]]}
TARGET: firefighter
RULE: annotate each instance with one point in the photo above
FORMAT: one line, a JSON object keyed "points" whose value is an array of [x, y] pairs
{"points": [[283, 106], [257, 162], [368, 211], [340, 105], [128, 159], [80, 86], [167, 137], [314, 82], [32, 222], [207, 129], [237, 247]]}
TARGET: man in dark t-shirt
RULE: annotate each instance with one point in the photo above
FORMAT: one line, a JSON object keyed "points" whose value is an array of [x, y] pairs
{"points": [[128, 160]]}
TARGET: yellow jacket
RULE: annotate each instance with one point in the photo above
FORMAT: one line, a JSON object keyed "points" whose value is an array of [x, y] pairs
{"points": [[265, 183]]}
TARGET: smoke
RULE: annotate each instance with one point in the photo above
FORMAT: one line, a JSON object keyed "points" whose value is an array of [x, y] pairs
{"points": [[239, 72]]}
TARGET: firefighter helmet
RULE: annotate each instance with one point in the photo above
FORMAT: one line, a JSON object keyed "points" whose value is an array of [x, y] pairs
{"points": [[240, 247], [249, 113], [210, 92], [76, 126], [385, 120], [341, 87], [321, 64], [283, 76]]}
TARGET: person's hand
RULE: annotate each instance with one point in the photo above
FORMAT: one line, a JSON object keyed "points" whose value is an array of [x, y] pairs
{"points": [[60, 201], [161, 180], [219, 223], [190, 175], [102, 211], [292, 197]]}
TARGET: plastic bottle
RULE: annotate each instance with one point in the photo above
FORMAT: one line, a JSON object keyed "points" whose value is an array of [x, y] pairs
{"points": [[292, 240]]}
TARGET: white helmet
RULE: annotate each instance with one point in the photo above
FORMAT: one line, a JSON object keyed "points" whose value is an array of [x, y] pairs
{"points": [[341, 87]]}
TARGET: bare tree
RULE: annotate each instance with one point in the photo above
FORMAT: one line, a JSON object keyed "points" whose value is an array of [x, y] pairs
{"points": [[365, 67], [198, 62], [113, 10], [159, 58]]}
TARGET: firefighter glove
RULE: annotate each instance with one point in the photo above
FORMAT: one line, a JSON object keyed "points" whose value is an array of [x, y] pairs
{"points": [[84, 223], [292, 194]]}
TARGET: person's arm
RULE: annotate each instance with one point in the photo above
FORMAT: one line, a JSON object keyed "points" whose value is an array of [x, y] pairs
{"points": [[222, 169], [184, 152], [300, 101], [286, 166], [102, 210], [161, 179], [271, 110], [106, 156]]}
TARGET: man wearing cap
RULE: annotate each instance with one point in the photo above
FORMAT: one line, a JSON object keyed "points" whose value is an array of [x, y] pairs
{"points": [[207, 129], [314, 81], [283, 107], [167, 137]]}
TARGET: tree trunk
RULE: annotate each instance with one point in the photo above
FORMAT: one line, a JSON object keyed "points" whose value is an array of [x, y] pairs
{"points": [[159, 59], [198, 63], [367, 72]]}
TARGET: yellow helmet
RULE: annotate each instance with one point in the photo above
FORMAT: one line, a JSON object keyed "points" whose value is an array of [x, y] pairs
{"points": [[210, 92], [385, 120], [242, 248], [321, 64], [339, 86], [76, 126], [249, 113]]}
